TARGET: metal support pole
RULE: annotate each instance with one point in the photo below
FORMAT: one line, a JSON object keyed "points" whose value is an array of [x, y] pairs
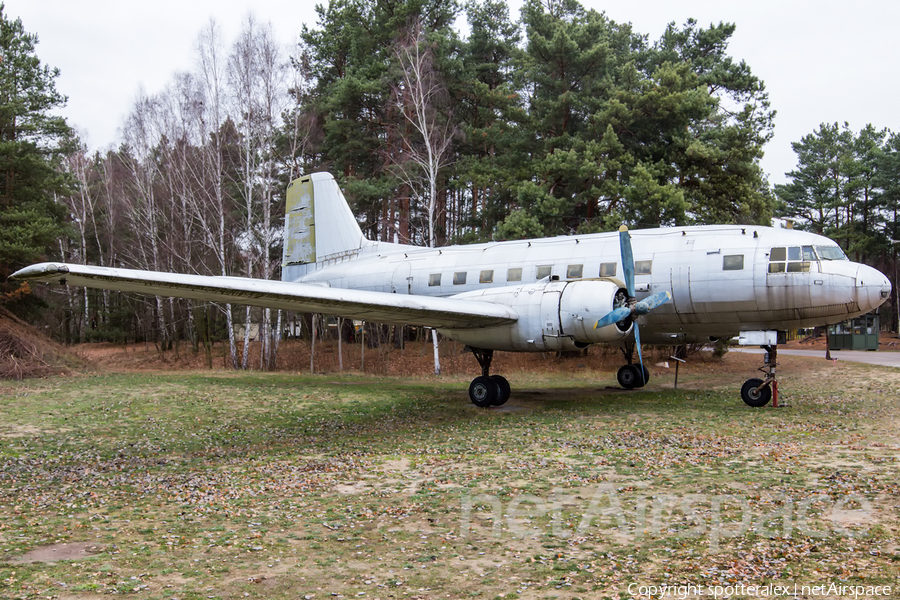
{"points": [[678, 362]]}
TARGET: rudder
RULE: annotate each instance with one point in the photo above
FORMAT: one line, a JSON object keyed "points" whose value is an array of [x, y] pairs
{"points": [[319, 227]]}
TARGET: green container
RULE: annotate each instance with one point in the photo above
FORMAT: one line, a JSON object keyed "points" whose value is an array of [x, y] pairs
{"points": [[860, 333]]}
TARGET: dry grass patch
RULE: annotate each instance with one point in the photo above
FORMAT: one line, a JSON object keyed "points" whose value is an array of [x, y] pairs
{"points": [[224, 485]]}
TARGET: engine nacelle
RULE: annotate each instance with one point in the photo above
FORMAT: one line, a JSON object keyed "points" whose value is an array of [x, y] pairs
{"points": [[553, 315]]}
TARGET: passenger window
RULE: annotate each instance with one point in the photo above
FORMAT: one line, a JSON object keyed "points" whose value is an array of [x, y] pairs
{"points": [[434, 279], [459, 278], [574, 271], [608, 270], [514, 274], [643, 267], [486, 276], [733, 262], [544, 271]]}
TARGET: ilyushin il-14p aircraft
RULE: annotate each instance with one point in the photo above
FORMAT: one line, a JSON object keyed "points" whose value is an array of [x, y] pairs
{"points": [[667, 286]]}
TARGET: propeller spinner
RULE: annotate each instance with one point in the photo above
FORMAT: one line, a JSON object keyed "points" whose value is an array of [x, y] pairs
{"points": [[633, 308]]}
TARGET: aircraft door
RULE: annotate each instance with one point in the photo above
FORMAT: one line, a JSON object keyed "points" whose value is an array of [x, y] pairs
{"points": [[681, 291], [401, 280], [551, 329]]}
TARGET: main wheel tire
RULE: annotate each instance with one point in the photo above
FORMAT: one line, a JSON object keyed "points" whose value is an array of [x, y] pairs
{"points": [[504, 388], [628, 376], [642, 381], [753, 395], [484, 392]]}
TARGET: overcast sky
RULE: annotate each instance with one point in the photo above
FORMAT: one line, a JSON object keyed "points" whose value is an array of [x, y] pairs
{"points": [[822, 61]]}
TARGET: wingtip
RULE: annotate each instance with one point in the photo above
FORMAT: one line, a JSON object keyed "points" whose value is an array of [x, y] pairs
{"points": [[39, 271]]}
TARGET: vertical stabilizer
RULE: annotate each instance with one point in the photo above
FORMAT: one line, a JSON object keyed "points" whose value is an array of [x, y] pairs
{"points": [[319, 227]]}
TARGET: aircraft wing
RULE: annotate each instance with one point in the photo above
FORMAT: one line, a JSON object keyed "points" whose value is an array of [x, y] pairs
{"points": [[380, 307]]}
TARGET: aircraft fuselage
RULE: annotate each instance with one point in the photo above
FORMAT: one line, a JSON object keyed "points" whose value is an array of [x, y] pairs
{"points": [[723, 279]]}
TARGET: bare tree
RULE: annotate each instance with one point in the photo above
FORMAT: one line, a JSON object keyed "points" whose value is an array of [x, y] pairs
{"points": [[273, 101], [212, 170], [300, 117], [256, 73], [422, 100], [421, 97], [145, 212], [81, 206]]}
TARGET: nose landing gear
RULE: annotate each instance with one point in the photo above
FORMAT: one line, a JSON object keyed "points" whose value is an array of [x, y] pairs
{"points": [[758, 392]]}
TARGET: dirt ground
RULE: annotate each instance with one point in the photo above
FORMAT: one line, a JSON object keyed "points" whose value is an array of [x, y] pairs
{"points": [[25, 352], [415, 359]]}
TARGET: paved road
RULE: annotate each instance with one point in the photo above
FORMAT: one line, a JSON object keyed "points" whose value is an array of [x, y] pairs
{"points": [[887, 359]]}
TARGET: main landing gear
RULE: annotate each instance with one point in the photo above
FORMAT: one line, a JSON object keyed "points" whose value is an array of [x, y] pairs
{"points": [[629, 375], [758, 392], [487, 390]]}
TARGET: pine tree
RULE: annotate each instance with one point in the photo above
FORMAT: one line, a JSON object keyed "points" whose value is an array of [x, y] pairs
{"points": [[31, 142], [491, 162]]}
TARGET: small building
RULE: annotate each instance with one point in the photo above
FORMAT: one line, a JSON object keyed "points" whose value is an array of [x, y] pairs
{"points": [[860, 333]]}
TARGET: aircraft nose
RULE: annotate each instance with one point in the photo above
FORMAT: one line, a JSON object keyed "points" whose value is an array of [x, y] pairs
{"points": [[873, 288]]}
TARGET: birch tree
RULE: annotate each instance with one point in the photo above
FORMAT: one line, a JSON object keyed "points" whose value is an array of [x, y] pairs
{"points": [[145, 212], [212, 162], [422, 100], [420, 97], [81, 206]]}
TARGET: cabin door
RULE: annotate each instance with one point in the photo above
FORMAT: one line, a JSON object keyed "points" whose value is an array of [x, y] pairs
{"points": [[681, 290], [401, 280], [550, 323]]}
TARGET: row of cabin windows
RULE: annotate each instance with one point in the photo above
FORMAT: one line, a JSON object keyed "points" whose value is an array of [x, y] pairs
{"points": [[514, 274], [734, 262]]}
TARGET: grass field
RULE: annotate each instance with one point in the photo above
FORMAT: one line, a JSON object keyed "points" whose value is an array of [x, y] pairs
{"points": [[221, 485]]}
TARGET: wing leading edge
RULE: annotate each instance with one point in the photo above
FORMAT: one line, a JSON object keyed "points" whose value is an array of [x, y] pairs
{"points": [[380, 307]]}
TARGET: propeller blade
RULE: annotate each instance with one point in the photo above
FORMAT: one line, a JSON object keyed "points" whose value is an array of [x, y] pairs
{"points": [[613, 317], [651, 302], [627, 259], [637, 342]]}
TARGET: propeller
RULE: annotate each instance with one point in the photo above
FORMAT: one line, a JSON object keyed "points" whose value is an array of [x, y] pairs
{"points": [[633, 308]]}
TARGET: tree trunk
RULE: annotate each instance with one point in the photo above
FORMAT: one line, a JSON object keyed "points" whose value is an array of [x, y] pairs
{"points": [[437, 358]]}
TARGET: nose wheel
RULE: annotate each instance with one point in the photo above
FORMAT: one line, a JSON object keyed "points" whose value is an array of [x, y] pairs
{"points": [[758, 392], [487, 390]]}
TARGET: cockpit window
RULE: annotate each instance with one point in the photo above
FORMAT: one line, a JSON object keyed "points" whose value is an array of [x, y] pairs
{"points": [[831, 253], [793, 259]]}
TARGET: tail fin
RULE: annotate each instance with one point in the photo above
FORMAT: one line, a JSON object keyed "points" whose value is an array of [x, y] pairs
{"points": [[319, 227]]}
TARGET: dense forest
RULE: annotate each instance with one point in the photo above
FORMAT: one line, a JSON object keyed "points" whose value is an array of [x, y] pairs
{"points": [[555, 121]]}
